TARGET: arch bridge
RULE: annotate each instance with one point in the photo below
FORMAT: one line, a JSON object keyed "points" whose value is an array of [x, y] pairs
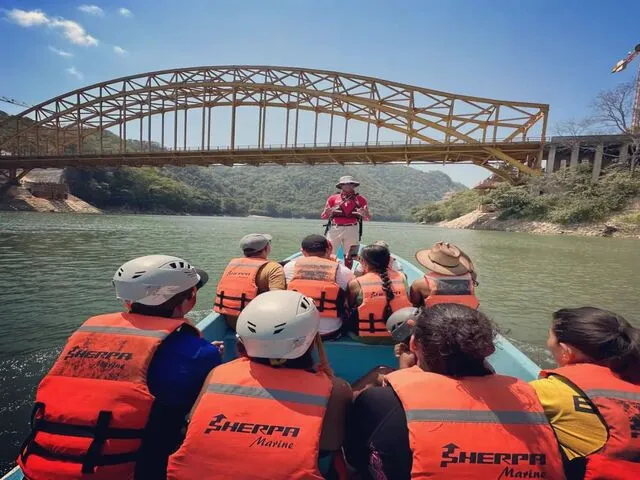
{"points": [[203, 115]]}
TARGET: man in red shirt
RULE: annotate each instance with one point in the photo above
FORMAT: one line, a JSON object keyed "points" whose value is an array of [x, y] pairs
{"points": [[345, 210]]}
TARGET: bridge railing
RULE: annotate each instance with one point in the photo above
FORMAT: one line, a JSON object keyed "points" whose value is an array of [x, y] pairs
{"points": [[134, 147]]}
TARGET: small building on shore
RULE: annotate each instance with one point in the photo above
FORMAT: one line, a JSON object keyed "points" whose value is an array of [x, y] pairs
{"points": [[47, 183]]}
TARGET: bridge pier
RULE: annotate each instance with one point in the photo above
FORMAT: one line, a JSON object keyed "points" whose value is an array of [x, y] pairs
{"points": [[575, 154], [551, 159], [12, 177], [597, 162]]}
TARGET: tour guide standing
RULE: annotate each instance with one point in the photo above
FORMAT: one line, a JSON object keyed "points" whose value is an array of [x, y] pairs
{"points": [[345, 211]]}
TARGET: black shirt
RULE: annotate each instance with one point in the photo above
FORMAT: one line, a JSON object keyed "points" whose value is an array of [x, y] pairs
{"points": [[377, 438]]}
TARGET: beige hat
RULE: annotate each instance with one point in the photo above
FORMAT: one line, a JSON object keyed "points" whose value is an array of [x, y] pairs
{"points": [[445, 258], [347, 179]]}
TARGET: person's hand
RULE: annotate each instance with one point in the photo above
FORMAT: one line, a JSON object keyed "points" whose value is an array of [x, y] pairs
{"points": [[373, 378], [220, 345], [406, 358], [335, 210]]}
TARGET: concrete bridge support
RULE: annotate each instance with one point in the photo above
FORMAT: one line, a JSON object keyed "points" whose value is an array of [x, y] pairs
{"points": [[551, 159], [598, 150], [597, 162], [575, 154]]}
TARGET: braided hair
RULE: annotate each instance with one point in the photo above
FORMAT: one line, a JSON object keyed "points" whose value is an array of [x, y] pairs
{"points": [[378, 258]]}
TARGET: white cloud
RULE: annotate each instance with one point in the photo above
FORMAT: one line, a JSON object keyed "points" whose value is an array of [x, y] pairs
{"points": [[62, 53], [73, 71], [27, 18], [125, 12], [74, 32], [91, 10], [119, 50]]}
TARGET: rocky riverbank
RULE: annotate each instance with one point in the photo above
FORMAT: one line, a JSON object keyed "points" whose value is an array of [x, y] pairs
{"points": [[616, 226], [19, 199]]}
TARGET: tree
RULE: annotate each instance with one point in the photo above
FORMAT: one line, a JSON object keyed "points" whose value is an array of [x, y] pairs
{"points": [[613, 109]]}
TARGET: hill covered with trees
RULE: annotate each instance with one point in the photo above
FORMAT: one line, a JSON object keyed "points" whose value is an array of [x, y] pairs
{"points": [[293, 191]]}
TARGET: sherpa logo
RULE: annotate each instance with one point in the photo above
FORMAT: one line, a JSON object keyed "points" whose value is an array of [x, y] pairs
{"points": [[220, 424], [77, 352], [452, 454]]}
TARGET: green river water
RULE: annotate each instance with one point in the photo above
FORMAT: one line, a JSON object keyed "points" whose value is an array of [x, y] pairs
{"points": [[55, 271]]}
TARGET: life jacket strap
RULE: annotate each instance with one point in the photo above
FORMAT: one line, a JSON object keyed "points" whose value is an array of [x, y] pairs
{"points": [[102, 460], [100, 433], [86, 431], [372, 322], [99, 439], [243, 299]]}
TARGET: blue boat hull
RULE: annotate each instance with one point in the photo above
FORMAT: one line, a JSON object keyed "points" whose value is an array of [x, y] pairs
{"points": [[351, 360]]}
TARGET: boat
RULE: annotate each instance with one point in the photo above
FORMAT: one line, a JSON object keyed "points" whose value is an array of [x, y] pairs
{"points": [[351, 360]]}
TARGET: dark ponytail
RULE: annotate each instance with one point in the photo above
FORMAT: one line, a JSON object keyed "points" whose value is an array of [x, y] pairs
{"points": [[378, 258], [605, 337]]}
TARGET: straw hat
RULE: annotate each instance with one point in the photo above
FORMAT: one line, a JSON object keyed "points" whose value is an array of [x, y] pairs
{"points": [[445, 258]]}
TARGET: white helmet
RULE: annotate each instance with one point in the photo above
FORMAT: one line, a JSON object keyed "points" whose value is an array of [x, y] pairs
{"points": [[154, 279], [397, 323], [278, 324]]}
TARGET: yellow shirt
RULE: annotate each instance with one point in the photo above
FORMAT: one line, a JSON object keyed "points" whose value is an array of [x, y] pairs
{"points": [[579, 429]]}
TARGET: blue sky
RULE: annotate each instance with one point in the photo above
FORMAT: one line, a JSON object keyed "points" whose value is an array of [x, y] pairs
{"points": [[556, 52]]}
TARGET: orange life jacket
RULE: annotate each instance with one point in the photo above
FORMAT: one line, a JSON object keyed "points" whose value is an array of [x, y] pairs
{"points": [[371, 313], [237, 287], [475, 427], [451, 289], [315, 277], [618, 404], [254, 422], [93, 405]]}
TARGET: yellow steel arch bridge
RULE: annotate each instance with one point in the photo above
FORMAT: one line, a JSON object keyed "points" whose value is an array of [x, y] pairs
{"points": [[165, 117]]}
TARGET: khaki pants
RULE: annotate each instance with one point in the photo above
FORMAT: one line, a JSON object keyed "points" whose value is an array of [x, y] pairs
{"points": [[345, 236]]}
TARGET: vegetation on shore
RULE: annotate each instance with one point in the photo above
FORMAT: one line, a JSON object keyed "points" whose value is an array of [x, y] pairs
{"points": [[566, 197]]}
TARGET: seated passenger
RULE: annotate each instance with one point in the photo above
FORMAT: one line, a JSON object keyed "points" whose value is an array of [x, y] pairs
{"points": [[317, 276], [393, 264], [248, 276], [115, 402], [593, 399], [269, 414], [376, 295], [450, 416], [451, 277]]}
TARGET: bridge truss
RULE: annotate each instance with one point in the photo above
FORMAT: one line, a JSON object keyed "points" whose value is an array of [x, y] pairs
{"points": [[169, 114]]}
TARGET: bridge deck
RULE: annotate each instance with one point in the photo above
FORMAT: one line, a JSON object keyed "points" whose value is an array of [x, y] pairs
{"points": [[309, 155]]}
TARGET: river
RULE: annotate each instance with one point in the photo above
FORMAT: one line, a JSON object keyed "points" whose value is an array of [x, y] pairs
{"points": [[56, 269]]}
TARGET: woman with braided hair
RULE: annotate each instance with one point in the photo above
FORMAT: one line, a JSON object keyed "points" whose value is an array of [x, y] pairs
{"points": [[376, 295]]}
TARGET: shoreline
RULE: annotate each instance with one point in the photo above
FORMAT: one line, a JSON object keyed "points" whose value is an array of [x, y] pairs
{"points": [[478, 220]]}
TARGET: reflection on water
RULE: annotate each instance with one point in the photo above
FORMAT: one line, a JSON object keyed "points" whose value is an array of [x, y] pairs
{"points": [[55, 271]]}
